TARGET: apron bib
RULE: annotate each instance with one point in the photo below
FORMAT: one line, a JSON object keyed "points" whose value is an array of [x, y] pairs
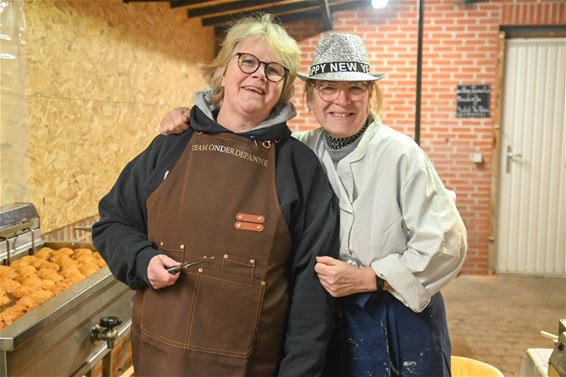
{"points": [[226, 316]]}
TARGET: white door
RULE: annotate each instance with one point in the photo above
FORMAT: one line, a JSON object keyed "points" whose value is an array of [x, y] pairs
{"points": [[531, 228]]}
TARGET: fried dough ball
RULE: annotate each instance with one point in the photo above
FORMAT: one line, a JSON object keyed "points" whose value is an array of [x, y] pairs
{"points": [[31, 280], [89, 268], [7, 272], [51, 265], [65, 251], [25, 269], [28, 260], [4, 299], [11, 314], [74, 278], [42, 295], [82, 252], [62, 260], [36, 298], [85, 259], [48, 274], [23, 290], [37, 262], [26, 276], [99, 260], [28, 302], [67, 271], [58, 287], [8, 285], [47, 284], [44, 253], [22, 261]]}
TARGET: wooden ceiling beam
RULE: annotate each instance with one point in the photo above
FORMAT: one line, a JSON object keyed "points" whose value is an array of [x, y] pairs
{"points": [[145, 1], [293, 17], [221, 12], [288, 12], [195, 4], [241, 6], [275, 10], [182, 3]]}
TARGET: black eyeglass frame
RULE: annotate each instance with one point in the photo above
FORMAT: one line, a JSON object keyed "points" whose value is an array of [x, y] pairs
{"points": [[265, 64]]}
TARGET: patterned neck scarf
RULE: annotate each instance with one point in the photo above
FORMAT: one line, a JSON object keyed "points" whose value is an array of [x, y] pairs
{"points": [[338, 143]]}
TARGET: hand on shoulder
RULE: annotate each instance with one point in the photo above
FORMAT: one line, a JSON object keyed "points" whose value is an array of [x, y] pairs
{"points": [[175, 121]]}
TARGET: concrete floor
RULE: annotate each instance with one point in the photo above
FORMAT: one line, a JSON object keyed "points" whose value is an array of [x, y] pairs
{"points": [[496, 318]]}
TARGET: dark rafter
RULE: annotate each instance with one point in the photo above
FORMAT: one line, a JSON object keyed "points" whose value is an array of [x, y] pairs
{"points": [[182, 3], [220, 12], [301, 10], [327, 21], [145, 1], [228, 8], [275, 10]]}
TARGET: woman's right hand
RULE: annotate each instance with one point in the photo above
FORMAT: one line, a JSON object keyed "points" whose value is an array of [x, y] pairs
{"points": [[157, 272], [341, 279], [175, 121]]}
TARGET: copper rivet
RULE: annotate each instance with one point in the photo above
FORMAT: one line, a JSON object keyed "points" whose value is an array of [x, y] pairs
{"points": [[182, 247], [225, 256], [260, 218], [161, 243], [240, 216], [200, 270], [238, 225], [259, 226], [252, 261], [263, 283]]}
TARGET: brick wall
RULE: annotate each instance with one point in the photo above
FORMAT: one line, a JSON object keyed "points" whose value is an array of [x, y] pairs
{"points": [[460, 46]]}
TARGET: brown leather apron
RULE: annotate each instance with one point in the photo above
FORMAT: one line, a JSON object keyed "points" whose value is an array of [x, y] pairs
{"points": [[227, 316]]}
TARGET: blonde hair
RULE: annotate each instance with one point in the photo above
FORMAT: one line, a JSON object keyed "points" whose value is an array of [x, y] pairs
{"points": [[374, 91], [261, 27]]}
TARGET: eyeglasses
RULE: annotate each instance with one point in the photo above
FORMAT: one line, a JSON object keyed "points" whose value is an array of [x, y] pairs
{"points": [[329, 91], [248, 63]]}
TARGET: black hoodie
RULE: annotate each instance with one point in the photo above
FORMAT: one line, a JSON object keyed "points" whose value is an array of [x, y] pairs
{"points": [[309, 207]]}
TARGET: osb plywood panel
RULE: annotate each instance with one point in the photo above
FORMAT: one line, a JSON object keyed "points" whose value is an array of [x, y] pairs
{"points": [[101, 74], [14, 166]]}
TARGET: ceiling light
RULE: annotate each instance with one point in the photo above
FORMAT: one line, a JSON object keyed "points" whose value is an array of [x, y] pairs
{"points": [[379, 4]]}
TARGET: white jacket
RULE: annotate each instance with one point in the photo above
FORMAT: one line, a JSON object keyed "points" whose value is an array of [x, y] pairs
{"points": [[395, 214]]}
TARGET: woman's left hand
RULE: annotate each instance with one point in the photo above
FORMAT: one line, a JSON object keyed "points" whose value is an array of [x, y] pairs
{"points": [[342, 279]]}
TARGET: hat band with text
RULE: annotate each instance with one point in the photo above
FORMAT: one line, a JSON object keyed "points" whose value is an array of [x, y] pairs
{"points": [[334, 67]]}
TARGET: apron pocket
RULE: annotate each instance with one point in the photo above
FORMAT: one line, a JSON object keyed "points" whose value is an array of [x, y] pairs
{"points": [[239, 265], [177, 253], [166, 311], [226, 314]]}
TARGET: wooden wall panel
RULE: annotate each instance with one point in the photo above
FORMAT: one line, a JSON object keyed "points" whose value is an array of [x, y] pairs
{"points": [[100, 75]]}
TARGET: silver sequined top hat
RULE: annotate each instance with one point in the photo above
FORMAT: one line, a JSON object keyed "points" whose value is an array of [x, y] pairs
{"points": [[341, 57]]}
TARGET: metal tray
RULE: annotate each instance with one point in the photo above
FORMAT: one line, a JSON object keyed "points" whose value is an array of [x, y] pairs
{"points": [[54, 338]]}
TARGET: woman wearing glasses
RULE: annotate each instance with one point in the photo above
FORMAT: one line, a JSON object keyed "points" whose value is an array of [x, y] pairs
{"points": [[242, 210], [401, 236]]}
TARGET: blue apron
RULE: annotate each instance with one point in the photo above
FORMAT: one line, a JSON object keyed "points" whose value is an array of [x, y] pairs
{"points": [[376, 335]]}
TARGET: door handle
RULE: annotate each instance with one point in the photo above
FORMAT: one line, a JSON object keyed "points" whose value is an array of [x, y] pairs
{"points": [[509, 158]]}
